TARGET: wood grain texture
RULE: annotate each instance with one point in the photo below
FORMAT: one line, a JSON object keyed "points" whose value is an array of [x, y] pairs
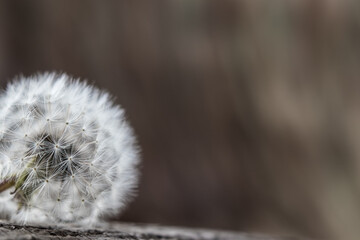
{"points": [[124, 231]]}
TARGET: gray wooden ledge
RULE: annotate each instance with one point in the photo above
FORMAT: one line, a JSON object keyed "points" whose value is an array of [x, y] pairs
{"points": [[124, 231]]}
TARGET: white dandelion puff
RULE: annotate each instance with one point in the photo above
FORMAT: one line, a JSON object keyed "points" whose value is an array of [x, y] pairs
{"points": [[66, 152]]}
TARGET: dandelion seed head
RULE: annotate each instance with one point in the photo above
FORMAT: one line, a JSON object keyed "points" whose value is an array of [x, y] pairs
{"points": [[67, 150]]}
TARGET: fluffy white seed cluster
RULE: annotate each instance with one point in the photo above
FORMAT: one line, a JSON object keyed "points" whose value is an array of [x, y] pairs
{"points": [[66, 152]]}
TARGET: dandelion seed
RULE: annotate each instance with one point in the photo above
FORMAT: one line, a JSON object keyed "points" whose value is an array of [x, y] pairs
{"points": [[77, 171]]}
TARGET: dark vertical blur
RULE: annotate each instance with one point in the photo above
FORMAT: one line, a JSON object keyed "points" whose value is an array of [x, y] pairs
{"points": [[248, 112]]}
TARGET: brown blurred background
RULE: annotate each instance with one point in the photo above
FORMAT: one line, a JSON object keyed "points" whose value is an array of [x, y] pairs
{"points": [[247, 111]]}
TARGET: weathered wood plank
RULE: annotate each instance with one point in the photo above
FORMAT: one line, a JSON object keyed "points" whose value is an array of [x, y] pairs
{"points": [[124, 231]]}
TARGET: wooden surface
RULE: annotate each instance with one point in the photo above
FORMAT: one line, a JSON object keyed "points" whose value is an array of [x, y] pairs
{"points": [[123, 231]]}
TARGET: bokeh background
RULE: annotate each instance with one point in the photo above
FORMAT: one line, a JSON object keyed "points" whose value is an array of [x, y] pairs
{"points": [[247, 111]]}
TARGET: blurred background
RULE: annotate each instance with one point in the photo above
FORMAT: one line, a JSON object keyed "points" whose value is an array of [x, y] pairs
{"points": [[247, 111]]}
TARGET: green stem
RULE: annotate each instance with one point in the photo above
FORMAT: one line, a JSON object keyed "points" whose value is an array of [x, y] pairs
{"points": [[24, 175]]}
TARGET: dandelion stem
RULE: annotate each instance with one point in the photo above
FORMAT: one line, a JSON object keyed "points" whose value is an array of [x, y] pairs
{"points": [[24, 175], [6, 184]]}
